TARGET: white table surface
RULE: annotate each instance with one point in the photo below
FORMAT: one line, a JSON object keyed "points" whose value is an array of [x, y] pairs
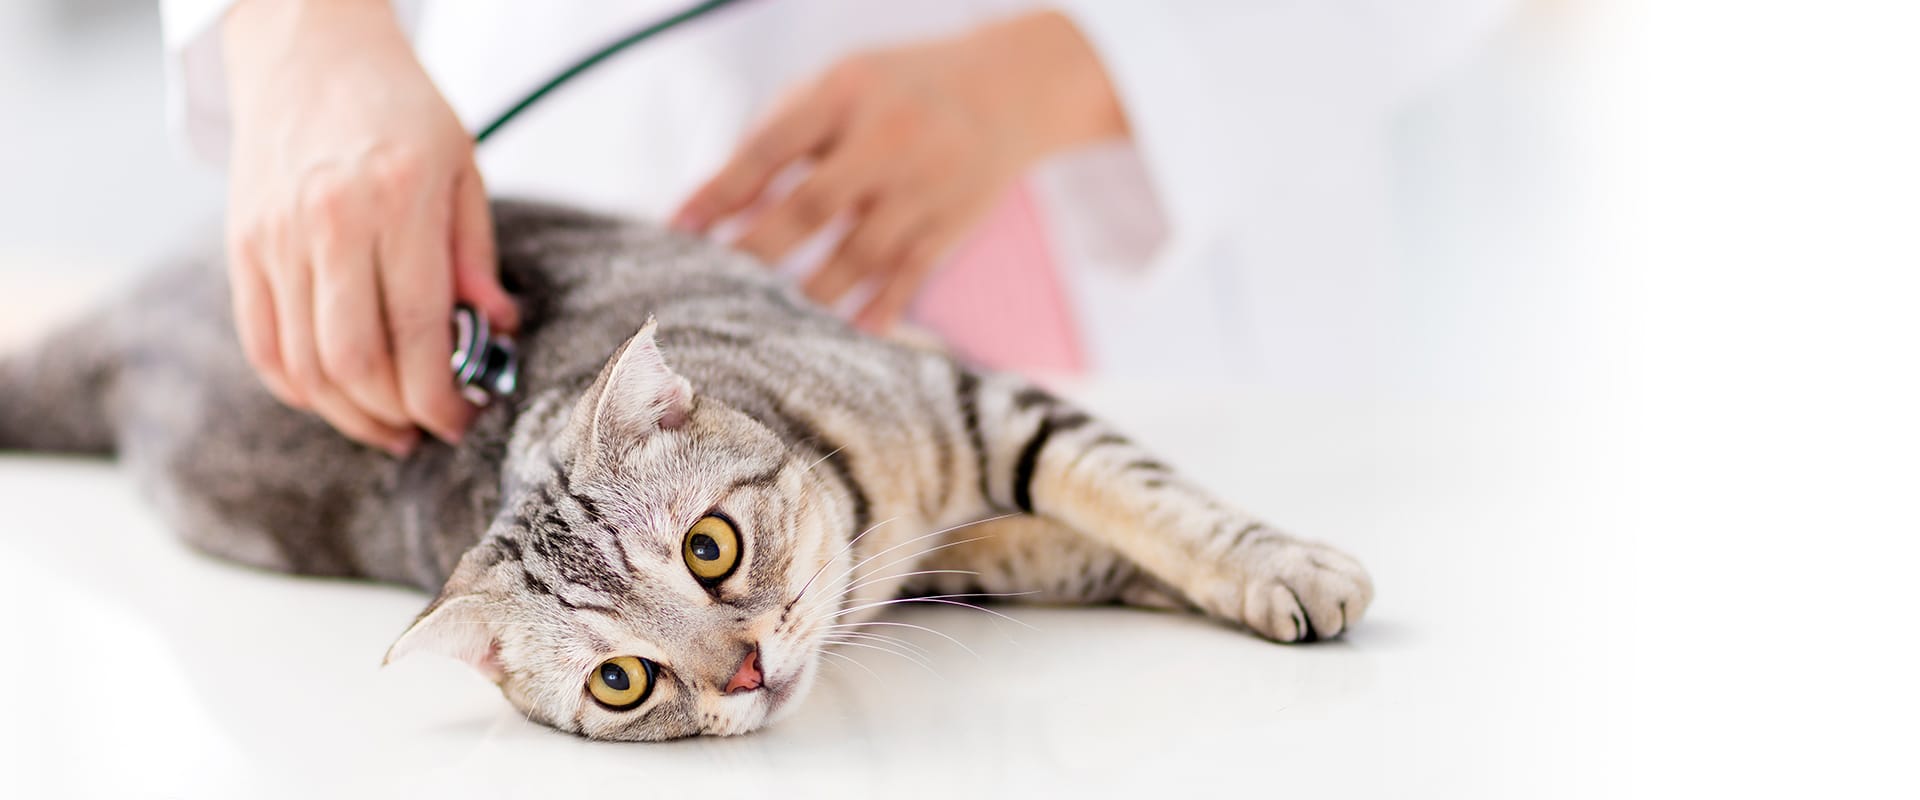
{"points": [[138, 667]]}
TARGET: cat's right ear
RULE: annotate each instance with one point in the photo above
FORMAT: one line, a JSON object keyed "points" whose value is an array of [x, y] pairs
{"points": [[635, 395]]}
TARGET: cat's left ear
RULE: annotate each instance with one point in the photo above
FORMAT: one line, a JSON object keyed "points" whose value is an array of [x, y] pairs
{"points": [[456, 624], [453, 628]]}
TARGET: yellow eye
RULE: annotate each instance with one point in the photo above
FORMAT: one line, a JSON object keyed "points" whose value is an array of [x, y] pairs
{"points": [[621, 682], [712, 549]]}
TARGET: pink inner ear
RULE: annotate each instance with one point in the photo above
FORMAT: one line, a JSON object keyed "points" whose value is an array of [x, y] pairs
{"points": [[641, 393], [488, 663], [679, 405]]}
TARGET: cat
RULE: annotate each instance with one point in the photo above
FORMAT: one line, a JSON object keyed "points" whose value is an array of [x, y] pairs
{"points": [[663, 532]]}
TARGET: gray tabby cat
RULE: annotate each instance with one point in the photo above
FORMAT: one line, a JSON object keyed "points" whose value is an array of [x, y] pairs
{"points": [[662, 543]]}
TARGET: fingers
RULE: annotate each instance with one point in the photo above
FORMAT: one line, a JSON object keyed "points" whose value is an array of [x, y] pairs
{"points": [[291, 282], [254, 321], [802, 127], [872, 247], [899, 287], [476, 272], [349, 332], [832, 189], [416, 287], [954, 215]]}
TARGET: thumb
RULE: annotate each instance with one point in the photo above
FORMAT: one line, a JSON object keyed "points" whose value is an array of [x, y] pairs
{"points": [[476, 270]]}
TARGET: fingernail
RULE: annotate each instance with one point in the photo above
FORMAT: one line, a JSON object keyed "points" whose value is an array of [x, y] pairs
{"points": [[684, 222], [405, 446]]}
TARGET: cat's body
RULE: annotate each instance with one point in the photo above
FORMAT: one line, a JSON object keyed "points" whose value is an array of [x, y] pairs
{"points": [[554, 531]]}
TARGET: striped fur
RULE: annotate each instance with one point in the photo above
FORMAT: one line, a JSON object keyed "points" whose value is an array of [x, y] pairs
{"points": [[858, 471]]}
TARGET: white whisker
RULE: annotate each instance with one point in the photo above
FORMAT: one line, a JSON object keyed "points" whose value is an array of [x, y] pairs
{"points": [[844, 548], [872, 580], [908, 656], [855, 568], [851, 660], [947, 599], [844, 593], [962, 645], [836, 451], [878, 637]]}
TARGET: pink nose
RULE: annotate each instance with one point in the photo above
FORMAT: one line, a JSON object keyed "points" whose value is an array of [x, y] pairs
{"points": [[747, 677]]}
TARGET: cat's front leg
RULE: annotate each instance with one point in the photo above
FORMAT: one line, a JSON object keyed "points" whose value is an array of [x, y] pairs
{"points": [[1045, 457]]}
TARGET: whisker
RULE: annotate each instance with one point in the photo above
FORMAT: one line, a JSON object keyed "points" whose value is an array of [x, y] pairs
{"points": [[908, 656], [851, 660], [868, 581], [949, 529], [844, 593], [841, 635], [962, 645], [836, 451], [844, 548], [941, 597], [884, 638], [947, 599]]}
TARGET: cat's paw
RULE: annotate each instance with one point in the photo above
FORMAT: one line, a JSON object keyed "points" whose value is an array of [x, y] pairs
{"points": [[1289, 590]]}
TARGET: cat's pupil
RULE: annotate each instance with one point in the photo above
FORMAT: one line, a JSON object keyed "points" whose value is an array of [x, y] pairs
{"points": [[614, 677], [705, 548]]}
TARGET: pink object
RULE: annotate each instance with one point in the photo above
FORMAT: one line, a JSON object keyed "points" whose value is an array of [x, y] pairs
{"points": [[999, 302]]}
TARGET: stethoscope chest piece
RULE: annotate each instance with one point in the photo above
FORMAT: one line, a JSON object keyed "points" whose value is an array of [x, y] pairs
{"points": [[484, 366]]}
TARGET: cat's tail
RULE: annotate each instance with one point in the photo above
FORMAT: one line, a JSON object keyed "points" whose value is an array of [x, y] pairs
{"points": [[53, 396]]}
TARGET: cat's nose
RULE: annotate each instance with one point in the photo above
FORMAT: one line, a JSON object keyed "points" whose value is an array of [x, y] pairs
{"points": [[747, 677]]}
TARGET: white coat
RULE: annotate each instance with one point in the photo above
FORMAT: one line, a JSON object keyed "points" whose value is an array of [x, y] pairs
{"points": [[1244, 231]]}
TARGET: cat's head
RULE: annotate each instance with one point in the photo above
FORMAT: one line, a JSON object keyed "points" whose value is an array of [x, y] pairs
{"points": [[670, 573]]}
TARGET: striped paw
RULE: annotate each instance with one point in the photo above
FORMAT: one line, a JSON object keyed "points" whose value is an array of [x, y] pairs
{"points": [[1288, 590]]}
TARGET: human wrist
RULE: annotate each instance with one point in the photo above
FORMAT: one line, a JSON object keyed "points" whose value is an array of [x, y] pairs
{"points": [[1046, 78], [260, 38]]}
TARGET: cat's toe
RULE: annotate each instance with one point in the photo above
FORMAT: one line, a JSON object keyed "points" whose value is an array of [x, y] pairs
{"points": [[1332, 588], [1275, 611], [1300, 592]]}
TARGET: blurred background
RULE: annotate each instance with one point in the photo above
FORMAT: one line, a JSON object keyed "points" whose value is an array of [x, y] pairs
{"points": [[1485, 172], [1659, 256], [94, 185]]}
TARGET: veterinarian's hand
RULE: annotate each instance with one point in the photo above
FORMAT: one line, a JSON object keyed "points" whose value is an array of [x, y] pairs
{"points": [[355, 219], [913, 146]]}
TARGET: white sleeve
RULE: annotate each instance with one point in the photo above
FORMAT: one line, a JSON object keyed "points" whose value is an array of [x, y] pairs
{"points": [[1212, 88], [196, 71], [196, 80]]}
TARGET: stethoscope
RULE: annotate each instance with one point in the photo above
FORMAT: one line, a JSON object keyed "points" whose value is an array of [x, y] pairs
{"points": [[486, 365]]}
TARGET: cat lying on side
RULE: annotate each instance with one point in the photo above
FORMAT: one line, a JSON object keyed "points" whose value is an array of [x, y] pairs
{"points": [[660, 534]]}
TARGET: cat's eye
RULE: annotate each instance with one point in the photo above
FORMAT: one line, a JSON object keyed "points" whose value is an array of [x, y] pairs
{"points": [[621, 683], [712, 549]]}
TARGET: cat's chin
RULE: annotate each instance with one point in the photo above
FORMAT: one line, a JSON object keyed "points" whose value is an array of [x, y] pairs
{"points": [[787, 692]]}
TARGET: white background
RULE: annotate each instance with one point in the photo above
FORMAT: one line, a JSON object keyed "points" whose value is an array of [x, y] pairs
{"points": [[1641, 503]]}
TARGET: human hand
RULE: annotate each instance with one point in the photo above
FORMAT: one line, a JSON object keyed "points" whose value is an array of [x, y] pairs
{"points": [[356, 218], [914, 145]]}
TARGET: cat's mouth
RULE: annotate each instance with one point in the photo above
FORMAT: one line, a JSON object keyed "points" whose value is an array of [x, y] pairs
{"points": [[781, 692]]}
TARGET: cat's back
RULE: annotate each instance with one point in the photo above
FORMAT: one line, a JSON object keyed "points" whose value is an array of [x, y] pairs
{"points": [[586, 282]]}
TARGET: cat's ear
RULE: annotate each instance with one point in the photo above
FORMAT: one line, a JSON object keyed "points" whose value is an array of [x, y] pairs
{"points": [[456, 625], [636, 394], [456, 628]]}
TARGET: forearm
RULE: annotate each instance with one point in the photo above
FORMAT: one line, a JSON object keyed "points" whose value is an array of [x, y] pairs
{"points": [[261, 37]]}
